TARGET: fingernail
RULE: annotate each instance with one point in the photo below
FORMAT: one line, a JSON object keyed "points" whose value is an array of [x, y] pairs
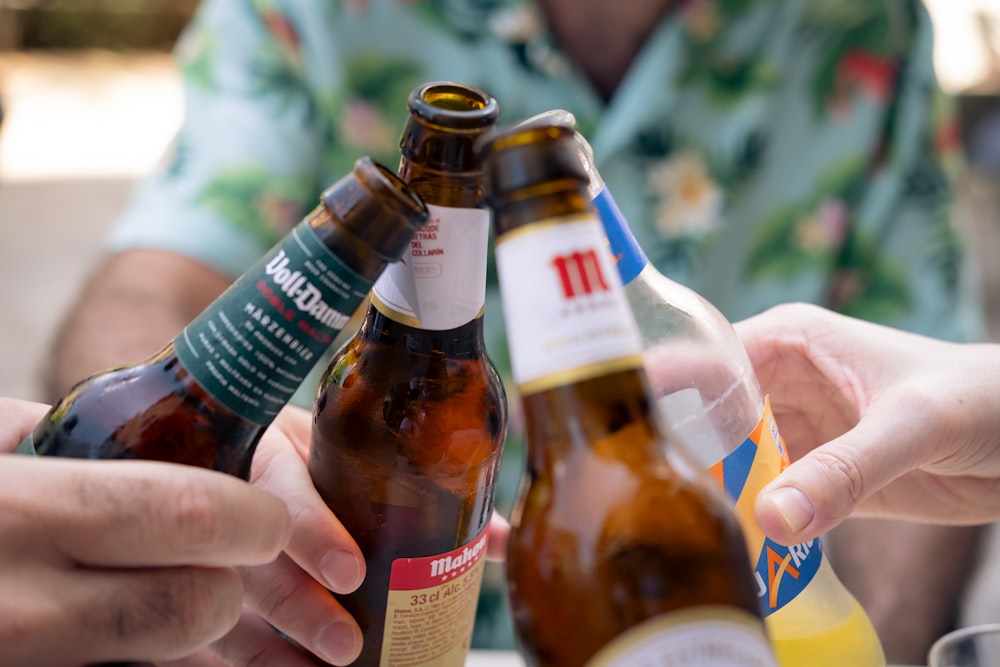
{"points": [[338, 643], [795, 508], [342, 571]]}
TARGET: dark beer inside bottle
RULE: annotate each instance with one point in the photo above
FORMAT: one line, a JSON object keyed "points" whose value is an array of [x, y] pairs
{"points": [[409, 420], [613, 526]]}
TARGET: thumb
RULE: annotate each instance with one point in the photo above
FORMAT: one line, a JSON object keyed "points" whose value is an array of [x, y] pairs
{"points": [[826, 485]]}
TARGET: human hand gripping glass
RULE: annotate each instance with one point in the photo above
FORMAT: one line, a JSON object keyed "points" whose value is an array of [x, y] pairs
{"points": [[879, 422], [113, 560]]}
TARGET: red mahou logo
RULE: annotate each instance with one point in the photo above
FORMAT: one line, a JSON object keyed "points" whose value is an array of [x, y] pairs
{"points": [[580, 273]]}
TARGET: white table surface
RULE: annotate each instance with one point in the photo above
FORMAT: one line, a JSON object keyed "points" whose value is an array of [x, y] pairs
{"points": [[494, 659], [511, 659]]}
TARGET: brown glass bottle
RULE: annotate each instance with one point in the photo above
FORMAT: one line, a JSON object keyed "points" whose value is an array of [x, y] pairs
{"points": [[411, 414], [207, 396], [622, 550]]}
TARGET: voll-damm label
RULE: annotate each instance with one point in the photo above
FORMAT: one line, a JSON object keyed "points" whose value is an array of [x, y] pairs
{"points": [[440, 282], [253, 348]]}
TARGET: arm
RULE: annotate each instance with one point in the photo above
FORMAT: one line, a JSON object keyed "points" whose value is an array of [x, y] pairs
{"points": [[132, 305], [243, 171], [879, 423], [902, 265], [882, 423]]}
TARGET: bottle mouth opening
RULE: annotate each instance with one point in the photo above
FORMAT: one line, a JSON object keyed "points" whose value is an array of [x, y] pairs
{"points": [[454, 105], [373, 203]]}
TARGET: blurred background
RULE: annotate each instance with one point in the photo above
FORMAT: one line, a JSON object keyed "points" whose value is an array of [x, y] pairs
{"points": [[90, 102]]}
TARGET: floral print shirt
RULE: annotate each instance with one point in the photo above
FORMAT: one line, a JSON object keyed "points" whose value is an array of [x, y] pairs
{"points": [[764, 151]]}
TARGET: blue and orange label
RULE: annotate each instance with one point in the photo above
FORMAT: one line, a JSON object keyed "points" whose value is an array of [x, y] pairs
{"points": [[781, 572], [629, 258]]}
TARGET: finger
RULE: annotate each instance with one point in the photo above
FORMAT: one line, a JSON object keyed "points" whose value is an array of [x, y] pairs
{"points": [[499, 534], [826, 485], [319, 544], [254, 643], [96, 616], [295, 603], [201, 658], [17, 419], [130, 513]]}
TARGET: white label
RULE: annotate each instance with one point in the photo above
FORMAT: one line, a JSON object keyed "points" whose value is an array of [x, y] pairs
{"points": [[563, 303], [706, 637], [440, 282]]}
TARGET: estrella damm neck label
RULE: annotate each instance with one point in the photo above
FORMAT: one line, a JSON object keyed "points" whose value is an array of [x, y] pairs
{"points": [[781, 572], [253, 347], [440, 281], [567, 315]]}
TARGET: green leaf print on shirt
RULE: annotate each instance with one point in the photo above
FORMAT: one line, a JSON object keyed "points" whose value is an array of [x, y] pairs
{"points": [[861, 46], [818, 235], [370, 121], [256, 201], [195, 55]]}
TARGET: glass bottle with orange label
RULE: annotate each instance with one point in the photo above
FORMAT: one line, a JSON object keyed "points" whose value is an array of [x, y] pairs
{"points": [[707, 390], [206, 397], [411, 415], [622, 550]]}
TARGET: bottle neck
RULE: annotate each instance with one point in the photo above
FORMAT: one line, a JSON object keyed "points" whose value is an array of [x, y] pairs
{"points": [[567, 317], [440, 283], [630, 260], [601, 413], [255, 344], [462, 342]]}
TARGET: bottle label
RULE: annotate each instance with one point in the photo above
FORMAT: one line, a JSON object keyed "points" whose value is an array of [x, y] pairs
{"points": [[629, 257], [701, 637], [432, 607], [781, 572], [254, 346], [440, 282], [566, 312]]}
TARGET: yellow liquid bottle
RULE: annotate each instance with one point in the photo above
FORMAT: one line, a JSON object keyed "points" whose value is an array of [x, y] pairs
{"points": [[709, 395]]}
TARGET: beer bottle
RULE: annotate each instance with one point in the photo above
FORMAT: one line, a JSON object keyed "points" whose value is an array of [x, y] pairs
{"points": [[411, 415], [710, 397], [622, 551], [207, 396]]}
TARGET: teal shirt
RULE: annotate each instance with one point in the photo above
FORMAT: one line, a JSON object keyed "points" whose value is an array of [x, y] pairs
{"points": [[764, 151]]}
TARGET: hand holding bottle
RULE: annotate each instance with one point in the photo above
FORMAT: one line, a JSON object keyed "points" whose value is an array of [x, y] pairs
{"points": [[882, 422], [119, 560], [291, 593]]}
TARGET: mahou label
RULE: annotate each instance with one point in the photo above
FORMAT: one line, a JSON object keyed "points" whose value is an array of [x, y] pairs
{"points": [[572, 320], [253, 348], [432, 607]]}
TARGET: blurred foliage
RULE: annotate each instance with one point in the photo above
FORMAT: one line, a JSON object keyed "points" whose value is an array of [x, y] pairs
{"points": [[99, 24]]}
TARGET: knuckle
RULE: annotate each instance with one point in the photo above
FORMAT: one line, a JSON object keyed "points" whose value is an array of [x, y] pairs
{"points": [[274, 596], [197, 605], [846, 474], [198, 517]]}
